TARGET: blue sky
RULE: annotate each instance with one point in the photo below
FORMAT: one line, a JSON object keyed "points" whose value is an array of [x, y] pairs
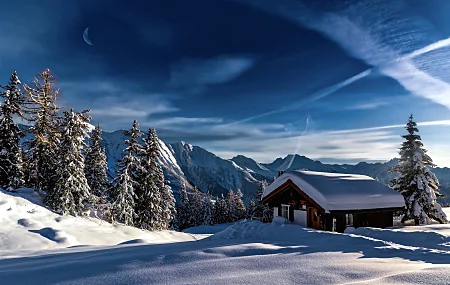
{"points": [[331, 80]]}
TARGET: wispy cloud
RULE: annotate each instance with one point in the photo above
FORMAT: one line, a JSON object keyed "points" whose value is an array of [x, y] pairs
{"points": [[367, 106], [377, 33], [202, 72], [176, 121], [349, 145]]}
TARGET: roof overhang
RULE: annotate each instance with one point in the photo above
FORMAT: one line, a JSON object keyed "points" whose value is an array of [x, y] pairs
{"points": [[284, 187]]}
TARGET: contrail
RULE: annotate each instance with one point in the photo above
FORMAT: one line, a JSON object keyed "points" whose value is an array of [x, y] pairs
{"points": [[298, 144], [272, 7], [314, 97]]}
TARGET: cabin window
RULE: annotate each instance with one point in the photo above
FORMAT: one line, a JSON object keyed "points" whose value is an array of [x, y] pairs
{"points": [[349, 220], [285, 211]]}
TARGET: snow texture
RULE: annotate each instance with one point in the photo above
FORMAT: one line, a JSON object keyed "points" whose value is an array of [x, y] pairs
{"points": [[247, 252], [28, 228], [336, 191]]}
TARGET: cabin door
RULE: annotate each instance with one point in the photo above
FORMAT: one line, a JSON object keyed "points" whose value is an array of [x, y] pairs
{"points": [[313, 218]]}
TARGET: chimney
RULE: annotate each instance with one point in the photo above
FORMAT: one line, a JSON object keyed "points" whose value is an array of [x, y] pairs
{"points": [[280, 172]]}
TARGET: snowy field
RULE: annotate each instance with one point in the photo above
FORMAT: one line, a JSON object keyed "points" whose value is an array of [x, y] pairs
{"points": [[39, 247]]}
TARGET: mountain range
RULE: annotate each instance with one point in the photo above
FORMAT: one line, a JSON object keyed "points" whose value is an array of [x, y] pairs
{"points": [[195, 166]]}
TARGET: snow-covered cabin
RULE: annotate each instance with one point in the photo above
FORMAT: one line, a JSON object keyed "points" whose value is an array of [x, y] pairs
{"points": [[332, 201]]}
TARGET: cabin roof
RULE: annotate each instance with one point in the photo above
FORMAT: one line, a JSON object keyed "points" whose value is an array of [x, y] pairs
{"points": [[338, 191]]}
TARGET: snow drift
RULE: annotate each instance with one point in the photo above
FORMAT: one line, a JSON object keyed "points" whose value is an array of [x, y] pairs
{"points": [[28, 226]]}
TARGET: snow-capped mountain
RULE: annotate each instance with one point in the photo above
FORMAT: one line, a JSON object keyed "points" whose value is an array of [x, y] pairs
{"points": [[195, 166]]}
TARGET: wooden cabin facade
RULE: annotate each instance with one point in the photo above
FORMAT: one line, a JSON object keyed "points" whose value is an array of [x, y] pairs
{"points": [[298, 205]]}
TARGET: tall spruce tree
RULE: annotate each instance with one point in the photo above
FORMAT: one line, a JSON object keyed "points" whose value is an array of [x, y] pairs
{"points": [[71, 191], [259, 207], [11, 166], [155, 203], [125, 183], [231, 207], [183, 210], [208, 210], [418, 185], [196, 208], [96, 164], [221, 211], [251, 209], [239, 206], [42, 150]]}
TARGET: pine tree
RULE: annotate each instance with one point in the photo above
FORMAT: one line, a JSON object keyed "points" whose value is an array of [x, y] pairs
{"points": [[231, 207], [259, 207], [125, 182], [208, 210], [71, 191], [418, 185], [167, 198], [196, 208], [183, 211], [251, 209], [239, 205], [96, 164], [42, 152], [220, 211], [267, 215], [155, 203], [11, 166]]}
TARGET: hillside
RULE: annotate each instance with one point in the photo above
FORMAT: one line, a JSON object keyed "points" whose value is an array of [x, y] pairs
{"points": [[27, 227]]}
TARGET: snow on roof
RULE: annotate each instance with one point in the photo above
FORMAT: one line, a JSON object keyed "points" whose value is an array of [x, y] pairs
{"points": [[337, 191]]}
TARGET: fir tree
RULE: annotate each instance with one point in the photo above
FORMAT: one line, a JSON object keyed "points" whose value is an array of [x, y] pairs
{"points": [[96, 164], [267, 216], [71, 190], [418, 185], [208, 210], [11, 166], [125, 182], [42, 152], [251, 209], [259, 207], [196, 208], [231, 207], [239, 206], [183, 211], [155, 203], [220, 211]]}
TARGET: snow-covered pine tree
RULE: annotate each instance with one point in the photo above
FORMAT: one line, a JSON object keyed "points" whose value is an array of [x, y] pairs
{"points": [[155, 203], [418, 185], [196, 208], [11, 166], [125, 181], [239, 205], [267, 216], [250, 209], [259, 207], [96, 164], [167, 197], [183, 211], [42, 150], [220, 211], [168, 206], [71, 191], [231, 207], [208, 210]]}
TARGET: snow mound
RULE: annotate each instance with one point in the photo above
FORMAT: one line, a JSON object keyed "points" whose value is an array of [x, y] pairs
{"points": [[261, 231], [207, 229], [27, 226]]}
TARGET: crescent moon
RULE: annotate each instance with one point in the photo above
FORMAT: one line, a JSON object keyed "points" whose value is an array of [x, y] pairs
{"points": [[86, 37]]}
